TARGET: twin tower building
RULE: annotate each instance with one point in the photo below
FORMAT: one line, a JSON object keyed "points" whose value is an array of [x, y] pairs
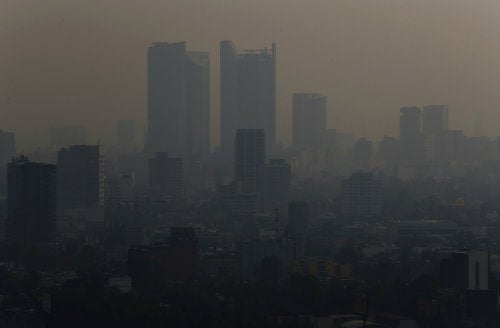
{"points": [[179, 98]]}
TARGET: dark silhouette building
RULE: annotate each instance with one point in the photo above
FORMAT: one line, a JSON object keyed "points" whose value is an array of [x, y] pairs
{"points": [[247, 93], [250, 154], [178, 100], [361, 196], [434, 119], [80, 177], [308, 120], [410, 134], [31, 201]]}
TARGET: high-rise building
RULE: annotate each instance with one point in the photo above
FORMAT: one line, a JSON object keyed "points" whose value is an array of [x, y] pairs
{"points": [[31, 201], [198, 104], [435, 119], [80, 177], [247, 93], [361, 196], [126, 136], [410, 134], [166, 176], [7, 152], [308, 120], [275, 186], [250, 154], [178, 100], [65, 136]]}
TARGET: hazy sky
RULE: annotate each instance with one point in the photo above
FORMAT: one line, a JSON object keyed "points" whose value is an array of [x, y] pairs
{"points": [[84, 61]]}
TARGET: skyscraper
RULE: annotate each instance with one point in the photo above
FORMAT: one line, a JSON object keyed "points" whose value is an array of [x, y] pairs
{"points": [[178, 100], [126, 136], [198, 104], [308, 120], [7, 152], [435, 119], [80, 177], [250, 154], [247, 93], [410, 134], [31, 201]]}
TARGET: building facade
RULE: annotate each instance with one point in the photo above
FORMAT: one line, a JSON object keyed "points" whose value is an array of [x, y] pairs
{"points": [[361, 196], [178, 100], [247, 93], [250, 154], [80, 177], [31, 201], [435, 119]]}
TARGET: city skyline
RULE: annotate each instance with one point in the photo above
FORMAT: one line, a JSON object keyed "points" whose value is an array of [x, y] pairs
{"points": [[275, 164], [436, 69]]}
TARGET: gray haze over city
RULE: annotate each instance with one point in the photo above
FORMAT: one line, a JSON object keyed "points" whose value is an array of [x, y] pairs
{"points": [[84, 62]]}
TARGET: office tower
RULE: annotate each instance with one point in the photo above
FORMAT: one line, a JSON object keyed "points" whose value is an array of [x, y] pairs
{"points": [[298, 217], [166, 176], [126, 136], [198, 104], [80, 177], [250, 154], [7, 152], [435, 119], [247, 93], [361, 196], [362, 152], [410, 134], [275, 186], [31, 201], [308, 120], [65, 136], [178, 100]]}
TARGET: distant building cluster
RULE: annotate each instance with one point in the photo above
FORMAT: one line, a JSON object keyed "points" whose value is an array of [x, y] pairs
{"points": [[331, 219]]}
